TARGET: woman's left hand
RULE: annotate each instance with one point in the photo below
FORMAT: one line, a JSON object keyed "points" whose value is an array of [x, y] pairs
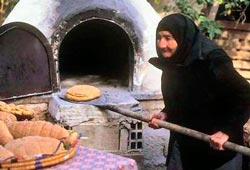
{"points": [[218, 139]]}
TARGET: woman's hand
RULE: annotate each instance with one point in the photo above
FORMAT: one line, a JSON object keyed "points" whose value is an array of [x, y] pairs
{"points": [[153, 124], [218, 139]]}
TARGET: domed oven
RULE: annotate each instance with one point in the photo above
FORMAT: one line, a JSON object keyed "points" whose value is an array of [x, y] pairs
{"points": [[104, 43]]}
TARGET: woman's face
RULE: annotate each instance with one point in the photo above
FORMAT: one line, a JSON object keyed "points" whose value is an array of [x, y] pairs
{"points": [[166, 43]]}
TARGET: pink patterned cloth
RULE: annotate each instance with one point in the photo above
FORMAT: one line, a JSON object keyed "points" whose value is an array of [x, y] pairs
{"points": [[91, 159]]}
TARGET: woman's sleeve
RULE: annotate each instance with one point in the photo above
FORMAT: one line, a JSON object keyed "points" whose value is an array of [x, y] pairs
{"points": [[233, 85], [164, 110]]}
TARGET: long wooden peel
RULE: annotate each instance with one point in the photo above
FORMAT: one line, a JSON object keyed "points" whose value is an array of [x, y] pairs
{"points": [[102, 103], [180, 129]]}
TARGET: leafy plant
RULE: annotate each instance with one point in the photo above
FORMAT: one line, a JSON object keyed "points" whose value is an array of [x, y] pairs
{"points": [[208, 27], [5, 7], [232, 6], [194, 9]]}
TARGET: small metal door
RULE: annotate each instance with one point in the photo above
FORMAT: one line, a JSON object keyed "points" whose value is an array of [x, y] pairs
{"points": [[26, 62]]}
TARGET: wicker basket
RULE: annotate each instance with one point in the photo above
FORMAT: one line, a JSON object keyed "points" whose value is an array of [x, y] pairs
{"points": [[37, 162]]}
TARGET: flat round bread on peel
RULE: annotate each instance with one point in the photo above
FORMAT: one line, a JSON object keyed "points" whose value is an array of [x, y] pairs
{"points": [[82, 93]]}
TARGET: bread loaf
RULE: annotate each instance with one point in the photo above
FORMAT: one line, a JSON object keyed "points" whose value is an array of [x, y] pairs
{"points": [[20, 129], [82, 93], [5, 135], [7, 117], [5, 153], [15, 109], [34, 145]]}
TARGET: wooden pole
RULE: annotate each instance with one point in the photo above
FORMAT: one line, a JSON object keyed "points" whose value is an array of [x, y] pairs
{"points": [[180, 129]]}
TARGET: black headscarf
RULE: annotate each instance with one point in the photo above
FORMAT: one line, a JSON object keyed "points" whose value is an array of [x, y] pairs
{"points": [[192, 44]]}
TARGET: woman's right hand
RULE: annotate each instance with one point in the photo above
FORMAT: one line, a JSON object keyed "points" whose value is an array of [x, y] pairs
{"points": [[152, 123]]}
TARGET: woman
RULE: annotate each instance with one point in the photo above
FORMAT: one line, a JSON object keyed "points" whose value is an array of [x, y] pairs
{"points": [[201, 91]]}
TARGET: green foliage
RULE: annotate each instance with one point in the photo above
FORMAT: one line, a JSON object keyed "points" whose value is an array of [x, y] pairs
{"points": [[204, 1], [6, 7], [186, 8], [209, 27], [232, 6], [157, 1]]}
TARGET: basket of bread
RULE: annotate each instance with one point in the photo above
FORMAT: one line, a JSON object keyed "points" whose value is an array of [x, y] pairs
{"points": [[33, 144]]}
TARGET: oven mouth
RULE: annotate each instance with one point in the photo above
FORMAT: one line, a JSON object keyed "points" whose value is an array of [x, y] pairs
{"points": [[96, 51]]}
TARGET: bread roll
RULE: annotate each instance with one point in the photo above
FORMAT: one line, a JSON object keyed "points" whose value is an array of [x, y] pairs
{"points": [[7, 117], [33, 145], [5, 135], [5, 153], [37, 128]]}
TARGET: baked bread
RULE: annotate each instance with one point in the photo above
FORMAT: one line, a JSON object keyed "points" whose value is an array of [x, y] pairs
{"points": [[5, 135], [7, 117], [34, 145], [4, 107], [20, 111], [5, 153], [20, 129], [82, 93]]}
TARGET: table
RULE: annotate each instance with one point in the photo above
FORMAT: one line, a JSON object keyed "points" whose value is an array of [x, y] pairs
{"points": [[92, 159]]}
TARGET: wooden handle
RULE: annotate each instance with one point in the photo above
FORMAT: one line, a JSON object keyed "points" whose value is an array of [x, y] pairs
{"points": [[180, 129]]}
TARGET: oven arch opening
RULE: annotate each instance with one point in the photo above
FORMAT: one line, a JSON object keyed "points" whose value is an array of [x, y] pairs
{"points": [[96, 51]]}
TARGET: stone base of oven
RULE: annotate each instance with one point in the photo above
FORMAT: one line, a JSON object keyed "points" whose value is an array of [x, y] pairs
{"points": [[101, 129], [102, 136]]}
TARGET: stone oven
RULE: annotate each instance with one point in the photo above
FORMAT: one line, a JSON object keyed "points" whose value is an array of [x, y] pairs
{"points": [[109, 40], [105, 43]]}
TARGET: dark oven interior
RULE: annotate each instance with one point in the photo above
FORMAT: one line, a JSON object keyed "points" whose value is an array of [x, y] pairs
{"points": [[96, 52]]}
